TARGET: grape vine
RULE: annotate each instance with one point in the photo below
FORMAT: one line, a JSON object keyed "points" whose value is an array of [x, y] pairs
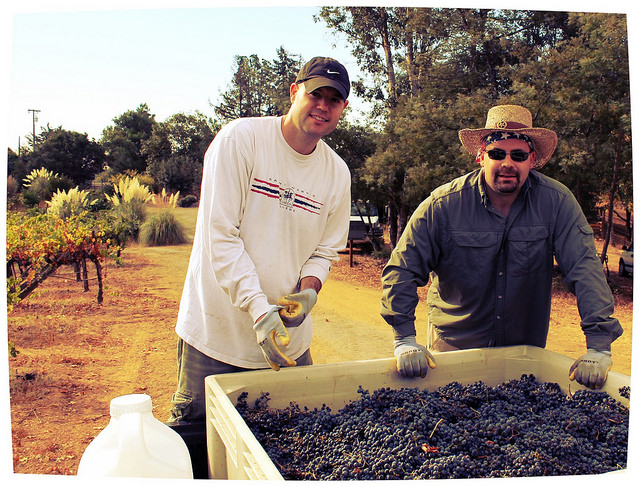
{"points": [[38, 245]]}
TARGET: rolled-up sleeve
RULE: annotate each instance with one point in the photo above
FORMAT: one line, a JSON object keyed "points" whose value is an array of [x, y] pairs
{"points": [[578, 260], [408, 268]]}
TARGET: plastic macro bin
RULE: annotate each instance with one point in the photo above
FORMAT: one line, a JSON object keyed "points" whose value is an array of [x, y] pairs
{"points": [[235, 454]]}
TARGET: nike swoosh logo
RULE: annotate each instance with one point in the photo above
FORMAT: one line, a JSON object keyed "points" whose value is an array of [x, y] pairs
{"points": [[333, 72]]}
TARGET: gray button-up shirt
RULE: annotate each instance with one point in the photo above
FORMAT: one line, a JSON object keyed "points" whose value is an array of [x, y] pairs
{"points": [[492, 275]]}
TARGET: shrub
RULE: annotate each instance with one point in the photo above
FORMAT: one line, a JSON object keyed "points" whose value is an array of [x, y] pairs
{"points": [[65, 204], [128, 201], [37, 191], [188, 201], [165, 199], [40, 184], [36, 174], [99, 201], [129, 189], [143, 179], [162, 229]]}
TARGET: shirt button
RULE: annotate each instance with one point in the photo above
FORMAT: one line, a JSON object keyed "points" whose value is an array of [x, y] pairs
{"points": [[499, 296], [500, 274], [499, 317]]}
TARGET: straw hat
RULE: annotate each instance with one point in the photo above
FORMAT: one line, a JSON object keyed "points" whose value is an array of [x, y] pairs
{"points": [[517, 119]]}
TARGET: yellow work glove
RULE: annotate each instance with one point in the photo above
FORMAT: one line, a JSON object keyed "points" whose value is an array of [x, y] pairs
{"points": [[412, 360], [591, 369], [296, 307], [267, 328]]}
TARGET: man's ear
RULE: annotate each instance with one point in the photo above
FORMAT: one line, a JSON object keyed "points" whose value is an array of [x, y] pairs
{"points": [[532, 159], [293, 91]]}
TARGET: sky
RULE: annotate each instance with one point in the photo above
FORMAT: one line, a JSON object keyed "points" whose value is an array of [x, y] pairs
{"points": [[82, 69], [84, 63]]}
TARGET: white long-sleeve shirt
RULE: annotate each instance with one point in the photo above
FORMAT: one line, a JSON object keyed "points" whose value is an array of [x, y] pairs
{"points": [[268, 216]]}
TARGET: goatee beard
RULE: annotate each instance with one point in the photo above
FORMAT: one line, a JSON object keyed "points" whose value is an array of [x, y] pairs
{"points": [[504, 187]]}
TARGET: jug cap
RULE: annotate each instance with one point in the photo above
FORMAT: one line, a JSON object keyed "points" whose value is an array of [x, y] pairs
{"points": [[131, 403]]}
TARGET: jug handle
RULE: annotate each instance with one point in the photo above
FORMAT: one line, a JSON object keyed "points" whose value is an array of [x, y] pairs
{"points": [[130, 439]]}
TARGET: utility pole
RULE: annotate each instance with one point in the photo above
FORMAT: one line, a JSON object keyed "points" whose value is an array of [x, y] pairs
{"points": [[34, 114]]}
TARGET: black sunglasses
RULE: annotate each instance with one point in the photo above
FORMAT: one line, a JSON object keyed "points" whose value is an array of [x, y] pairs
{"points": [[517, 155]]}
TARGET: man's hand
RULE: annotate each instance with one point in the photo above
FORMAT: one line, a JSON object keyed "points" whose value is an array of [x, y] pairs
{"points": [[591, 369], [296, 307], [412, 360], [267, 327]]}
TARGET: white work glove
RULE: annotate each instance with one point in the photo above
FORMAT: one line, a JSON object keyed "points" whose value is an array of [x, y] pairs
{"points": [[296, 307], [266, 329], [591, 369], [412, 360]]}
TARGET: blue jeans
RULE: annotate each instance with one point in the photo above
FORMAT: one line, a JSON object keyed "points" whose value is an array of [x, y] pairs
{"points": [[188, 402]]}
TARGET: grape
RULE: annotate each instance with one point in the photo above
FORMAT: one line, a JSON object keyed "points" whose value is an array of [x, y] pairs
{"points": [[520, 428]]}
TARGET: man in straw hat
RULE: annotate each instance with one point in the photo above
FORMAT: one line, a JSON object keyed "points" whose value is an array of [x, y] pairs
{"points": [[488, 241]]}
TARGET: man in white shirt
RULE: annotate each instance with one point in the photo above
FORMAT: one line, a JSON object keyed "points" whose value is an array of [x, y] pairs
{"points": [[274, 212]]}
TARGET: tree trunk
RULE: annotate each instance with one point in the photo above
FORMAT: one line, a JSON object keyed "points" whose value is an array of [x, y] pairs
{"points": [[388, 55], [411, 64], [612, 195], [85, 277], [403, 218], [393, 224], [27, 287], [96, 261]]}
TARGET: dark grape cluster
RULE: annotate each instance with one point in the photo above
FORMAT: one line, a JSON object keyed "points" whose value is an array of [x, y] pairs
{"points": [[519, 428], [625, 392]]}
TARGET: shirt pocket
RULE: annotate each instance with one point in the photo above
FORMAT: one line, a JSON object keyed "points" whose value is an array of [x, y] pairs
{"points": [[586, 230], [473, 252], [529, 251]]}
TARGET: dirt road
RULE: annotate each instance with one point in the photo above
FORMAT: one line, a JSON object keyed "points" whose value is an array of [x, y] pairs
{"points": [[75, 355], [347, 321], [348, 325]]}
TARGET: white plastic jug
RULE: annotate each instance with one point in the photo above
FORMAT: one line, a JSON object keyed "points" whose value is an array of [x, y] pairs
{"points": [[136, 444]]}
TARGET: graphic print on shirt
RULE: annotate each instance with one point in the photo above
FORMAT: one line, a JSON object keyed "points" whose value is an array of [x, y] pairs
{"points": [[289, 198]]}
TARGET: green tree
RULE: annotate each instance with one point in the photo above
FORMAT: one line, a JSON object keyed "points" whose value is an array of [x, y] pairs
{"points": [[175, 151], [281, 72], [430, 71], [12, 160], [370, 34], [69, 154], [123, 140], [584, 83], [354, 144], [259, 87], [374, 34], [245, 96]]}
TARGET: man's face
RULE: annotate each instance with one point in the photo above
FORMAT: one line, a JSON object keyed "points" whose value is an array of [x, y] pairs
{"points": [[316, 114], [506, 176]]}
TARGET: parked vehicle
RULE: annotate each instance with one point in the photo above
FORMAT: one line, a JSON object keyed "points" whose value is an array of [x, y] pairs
{"points": [[625, 267], [367, 213]]}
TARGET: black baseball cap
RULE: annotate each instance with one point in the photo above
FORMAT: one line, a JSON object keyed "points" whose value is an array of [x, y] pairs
{"points": [[324, 71]]}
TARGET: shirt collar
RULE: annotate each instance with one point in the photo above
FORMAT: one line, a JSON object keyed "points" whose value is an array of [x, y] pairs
{"points": [[484, 198]]}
